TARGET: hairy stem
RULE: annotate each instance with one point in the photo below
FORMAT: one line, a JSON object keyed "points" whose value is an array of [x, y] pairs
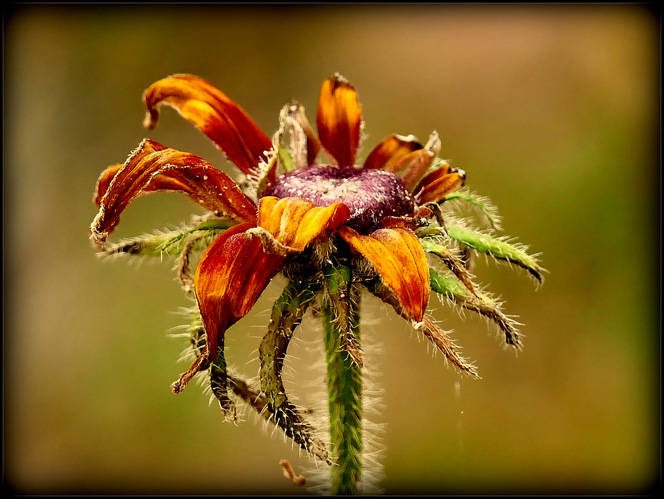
{"points": [[341, 328]]}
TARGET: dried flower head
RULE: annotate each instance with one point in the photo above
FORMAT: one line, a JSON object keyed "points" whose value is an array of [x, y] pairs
{"points": [[333, 228]]}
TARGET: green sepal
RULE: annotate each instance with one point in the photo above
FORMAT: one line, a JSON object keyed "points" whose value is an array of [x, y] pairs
{"points": [[286, 159], [287, 313], [146, 245], [497, 248], [172, 242], [453, 289], [219, 381], [203, 232], [265, 173], [451, 260], [479, 202], [434, 334]]}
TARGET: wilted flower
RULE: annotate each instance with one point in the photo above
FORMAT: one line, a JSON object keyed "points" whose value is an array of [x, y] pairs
{"points": [[332, 229]]}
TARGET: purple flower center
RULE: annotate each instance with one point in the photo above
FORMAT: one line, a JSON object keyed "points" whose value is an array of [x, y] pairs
{"points": [[370, 195]]}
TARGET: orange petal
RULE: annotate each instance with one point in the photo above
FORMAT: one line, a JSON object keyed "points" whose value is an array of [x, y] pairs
{"points": [[217, 116], [438, 184], [295, 222], [417, 164], [153, 167], [231, 275], [339, 119], [104, 181], [163, 183], [399, 259], [391, 150]]}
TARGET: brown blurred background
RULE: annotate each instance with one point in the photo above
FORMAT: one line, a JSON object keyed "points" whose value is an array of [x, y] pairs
{"points": [[551, 110]]}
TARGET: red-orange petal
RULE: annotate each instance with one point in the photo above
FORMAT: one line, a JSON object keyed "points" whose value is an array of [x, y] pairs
{"points": [[163, 183], [399, 259], [214, 113], [420, 161], [231, 275], [295, 222], [390, 151], [438, 184], [339, 119], [104, 181], [153, 167]]}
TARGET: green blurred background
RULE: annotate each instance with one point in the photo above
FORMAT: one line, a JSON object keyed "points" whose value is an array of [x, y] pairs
{"points": [[552, 111]]}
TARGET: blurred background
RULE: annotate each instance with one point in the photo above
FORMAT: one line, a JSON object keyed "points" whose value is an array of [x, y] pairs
{"points": [[552, 111]]}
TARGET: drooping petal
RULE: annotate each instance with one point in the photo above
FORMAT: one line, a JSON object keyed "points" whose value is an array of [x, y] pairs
{"points": [[216, 115], [400, 261], [211, 188], [104, 181], [154, 167], [231, 275], [339, 119], [295, 222], [439, 183], [390, 151], [163, 183]]}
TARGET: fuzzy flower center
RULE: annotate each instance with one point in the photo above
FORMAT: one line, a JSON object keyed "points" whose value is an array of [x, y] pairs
{"points": [[370, 195]]}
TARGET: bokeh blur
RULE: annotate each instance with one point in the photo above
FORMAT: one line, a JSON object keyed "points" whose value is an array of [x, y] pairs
{"points": [[552, 111]]}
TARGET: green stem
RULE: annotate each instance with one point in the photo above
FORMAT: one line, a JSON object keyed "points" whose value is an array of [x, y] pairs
{"points": [[341, 327]]}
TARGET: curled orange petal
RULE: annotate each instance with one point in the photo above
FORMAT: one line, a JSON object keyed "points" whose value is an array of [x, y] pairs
{"points": [[438, 184], [104, 181], [295, 222], [163, 183], [339, 119], [390, 151], [153, 167], [216, 115], [231, 275], [399, 259]]}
